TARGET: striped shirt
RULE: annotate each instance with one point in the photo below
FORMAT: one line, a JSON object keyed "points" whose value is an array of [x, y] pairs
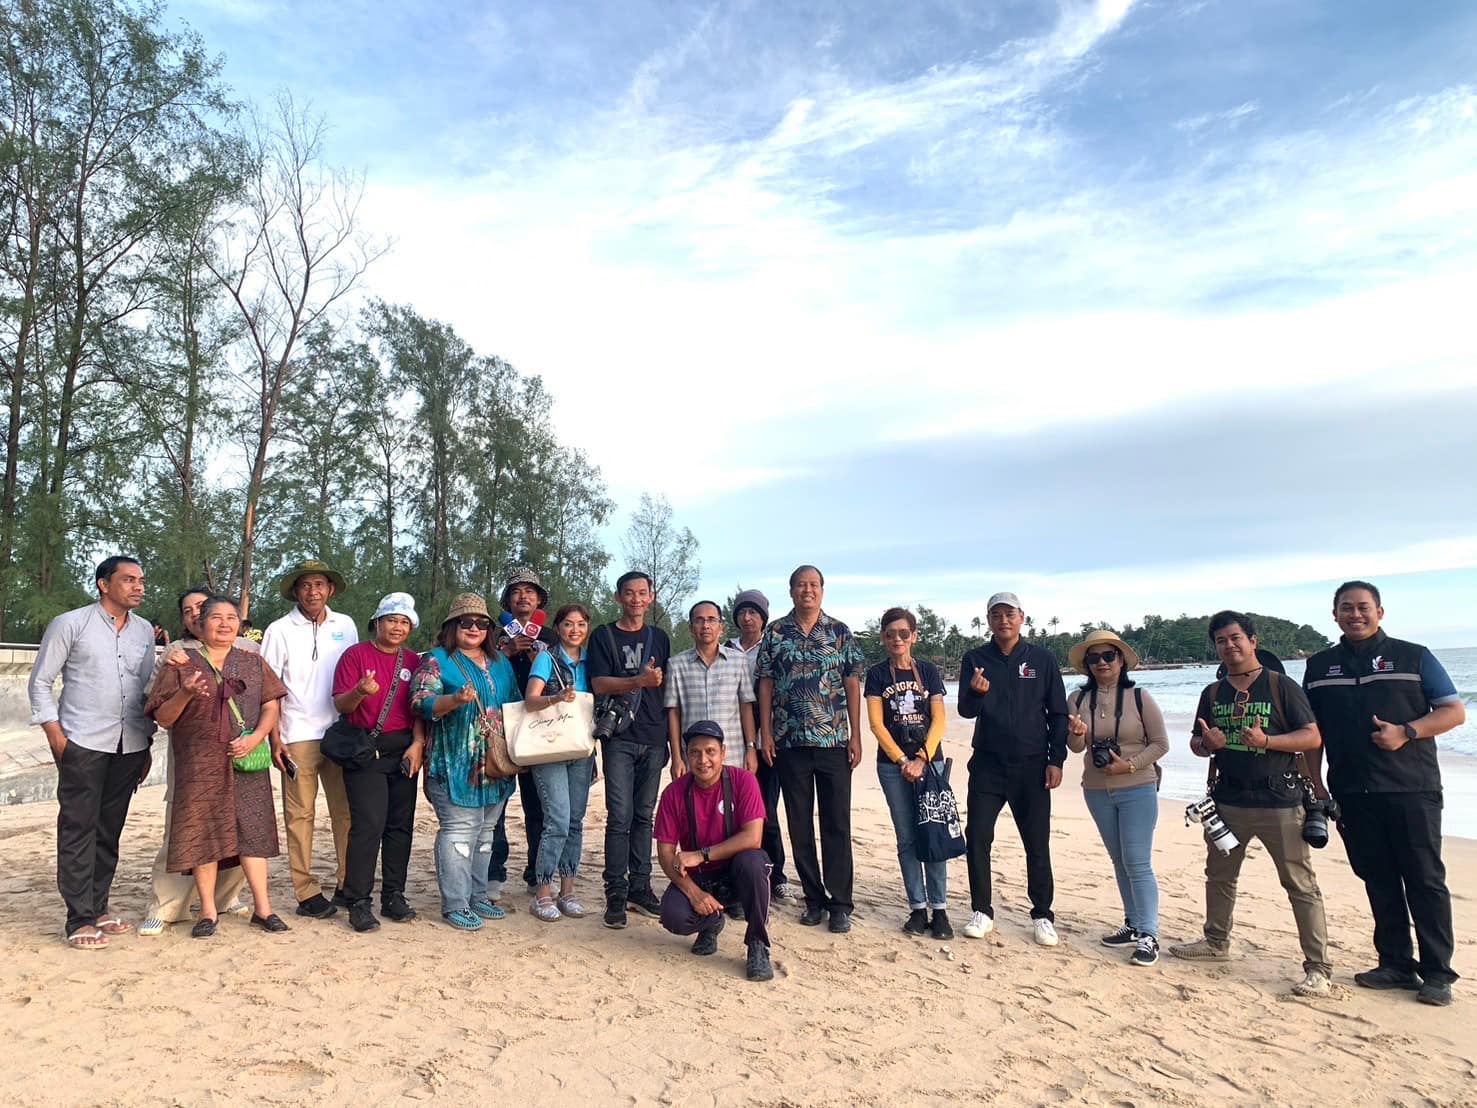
{"points": [[713, 692]]}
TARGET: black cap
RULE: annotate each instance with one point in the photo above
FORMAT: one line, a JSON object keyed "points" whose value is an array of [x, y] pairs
{"points": [[703, 727]]}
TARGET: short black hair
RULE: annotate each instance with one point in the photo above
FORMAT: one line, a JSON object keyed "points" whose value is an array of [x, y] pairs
{"points": [[892, 615], [801, 569], [197, 590], [1350, 585], [109, 566], [1221, 620], [215, 600], [716, 607], [633, 575]]}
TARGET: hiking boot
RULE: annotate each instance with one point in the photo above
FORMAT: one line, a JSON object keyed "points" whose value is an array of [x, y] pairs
{"points": [[979, 925], [1436, 993], [361, 917], [758, 967], [917, 922], [317, 907], [940, 927], [1201, 949], [644, 902], [1386, 977], [1145, 951], [615, 912], [1314, 984], [395, 907], [1124, 936]]}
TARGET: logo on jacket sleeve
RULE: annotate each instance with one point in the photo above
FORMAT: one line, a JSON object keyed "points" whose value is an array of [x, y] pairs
{"points": [[1379, 665], [1026, 671]]}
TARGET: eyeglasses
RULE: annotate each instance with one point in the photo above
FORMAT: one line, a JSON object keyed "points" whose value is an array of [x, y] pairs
{"points": [[701, 620], [1103, 657], [474, 623], [897, 636]]}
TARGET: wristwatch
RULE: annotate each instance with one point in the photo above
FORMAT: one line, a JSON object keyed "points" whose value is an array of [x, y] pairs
{"points": [[704, 853], [1410, 732], [753, 746]]}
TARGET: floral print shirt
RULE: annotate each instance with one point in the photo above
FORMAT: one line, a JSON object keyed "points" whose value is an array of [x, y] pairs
{"points": [[456, 748], [809, 674]]}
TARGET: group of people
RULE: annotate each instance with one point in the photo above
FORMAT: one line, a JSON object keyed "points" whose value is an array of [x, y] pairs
{"points": [[738, 724]]}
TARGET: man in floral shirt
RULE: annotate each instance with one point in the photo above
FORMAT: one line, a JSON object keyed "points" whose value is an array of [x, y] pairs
{"points": [[810, 702]]}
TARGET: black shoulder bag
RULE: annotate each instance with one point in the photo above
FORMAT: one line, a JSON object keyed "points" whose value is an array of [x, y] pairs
{"points": [[350, 745]]}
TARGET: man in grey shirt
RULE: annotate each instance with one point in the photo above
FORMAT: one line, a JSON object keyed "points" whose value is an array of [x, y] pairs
{"points": [[99, 736]]}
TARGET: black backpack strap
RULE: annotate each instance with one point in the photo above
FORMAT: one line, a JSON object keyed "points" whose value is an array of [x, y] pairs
{"points": [[692, 813], [730, 819]]}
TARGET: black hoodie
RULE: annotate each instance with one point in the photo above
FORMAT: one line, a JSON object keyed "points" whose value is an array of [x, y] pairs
{"points": [[1024, 715]]}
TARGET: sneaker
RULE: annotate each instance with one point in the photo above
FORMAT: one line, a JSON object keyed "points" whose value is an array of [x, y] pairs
{"points": [[940, 927], [812, 916], [615, 912], [317, 907], [361, 917], [1145, 951], [1200, 949], [488, 910], [339, 900], [1436, 993], [1387, 978], [735, 911], [394, 906], [917, 922], [707, 941], [785, 891], [840, 921], [979, 926], [644, 902], [1314, 984], [1045, 932], [758, 967], [151, 926], [463, 919], [1124, 936]]}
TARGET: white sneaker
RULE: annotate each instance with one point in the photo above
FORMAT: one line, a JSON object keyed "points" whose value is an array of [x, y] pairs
{"points": [[1314, 984], [151, 926], [1045, 933], [979, 926]]}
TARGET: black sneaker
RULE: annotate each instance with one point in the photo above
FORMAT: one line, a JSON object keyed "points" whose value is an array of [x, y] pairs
{"points": [[758, 967], [1146, 951], [339, 900], [1124, 936], [361, 916], [707, 941], [735, 911], [317, 907], [840, 921], [812, 917], [1387, 977], [940, 927], [645, 902], [1437, 993], [615, 912], [397, 908], [917, 922]]}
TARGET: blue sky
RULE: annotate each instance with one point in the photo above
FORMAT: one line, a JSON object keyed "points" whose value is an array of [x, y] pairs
{"points": [[1132, 306]]}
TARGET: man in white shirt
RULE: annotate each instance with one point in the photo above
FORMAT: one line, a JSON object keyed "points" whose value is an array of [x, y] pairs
{"points": [[303, 648]]}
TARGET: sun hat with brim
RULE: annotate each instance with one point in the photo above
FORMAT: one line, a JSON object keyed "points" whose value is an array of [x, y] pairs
{"points": [[1101, 638], [466, 604], [398, 604], [522, 575], [288, 585]]}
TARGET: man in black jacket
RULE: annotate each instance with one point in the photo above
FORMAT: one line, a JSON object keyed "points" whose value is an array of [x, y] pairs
{"points": [[1380, 703], [1013, 691]]}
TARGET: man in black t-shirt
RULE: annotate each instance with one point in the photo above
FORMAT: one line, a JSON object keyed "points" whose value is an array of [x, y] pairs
{"points": [[1254, 723], [626, 660]]}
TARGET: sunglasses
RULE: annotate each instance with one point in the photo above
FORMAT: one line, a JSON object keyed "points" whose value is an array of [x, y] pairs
{"points": [[1105, 657], [474, 623], [897, 636], [1239, 703]]}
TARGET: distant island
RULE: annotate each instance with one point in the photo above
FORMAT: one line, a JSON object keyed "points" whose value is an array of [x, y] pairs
{"points": [[1159, 641]]}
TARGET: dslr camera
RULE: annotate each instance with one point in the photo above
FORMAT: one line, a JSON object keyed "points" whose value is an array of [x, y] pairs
{"points": [[1204, 813], [1316, 816], [613, 715], [1103, 751]]}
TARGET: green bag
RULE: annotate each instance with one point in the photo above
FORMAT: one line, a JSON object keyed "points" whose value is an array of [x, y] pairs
{"points": [[259, 757]]}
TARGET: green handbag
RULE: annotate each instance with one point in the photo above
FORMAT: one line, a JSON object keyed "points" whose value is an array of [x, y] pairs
{"points": [[259, 757]]}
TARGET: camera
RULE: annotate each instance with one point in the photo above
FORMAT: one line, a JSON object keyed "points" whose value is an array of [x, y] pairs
{"points": [[1204, 813], [612, 716], [1103, 751], [1316, 815], [910, 736]]}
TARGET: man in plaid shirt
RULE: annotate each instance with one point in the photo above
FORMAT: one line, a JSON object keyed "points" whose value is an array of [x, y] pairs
{"points": [[712, 681]]}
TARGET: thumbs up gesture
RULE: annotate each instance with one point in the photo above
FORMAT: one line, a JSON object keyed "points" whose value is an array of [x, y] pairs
{"points": [[1253, 736], [979, 684], [1388, 736], [651, 676], [1212, 738]]}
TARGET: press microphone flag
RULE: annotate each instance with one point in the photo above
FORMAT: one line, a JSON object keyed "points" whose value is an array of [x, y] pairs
{"points": [[511, 627], [534, 626]]}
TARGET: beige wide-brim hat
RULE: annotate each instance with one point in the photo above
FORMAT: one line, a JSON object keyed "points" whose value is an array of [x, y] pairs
{"points": [[466, 604], [1101, 638]]}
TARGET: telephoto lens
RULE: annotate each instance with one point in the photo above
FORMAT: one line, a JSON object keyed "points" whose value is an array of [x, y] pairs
{"points": [[1204, 813]]}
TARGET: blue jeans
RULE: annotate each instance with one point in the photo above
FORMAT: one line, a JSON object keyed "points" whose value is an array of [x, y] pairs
{"points": [[633, 776], [563, 790], [463, 847], [925, 883], [1125, 818]]}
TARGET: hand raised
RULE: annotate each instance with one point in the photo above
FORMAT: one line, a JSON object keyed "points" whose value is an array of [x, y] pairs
{"points": [[979, 684], [195, 684], [651, 676], [368, 684], [466, 694], [1212, 738], [1076, 726]]}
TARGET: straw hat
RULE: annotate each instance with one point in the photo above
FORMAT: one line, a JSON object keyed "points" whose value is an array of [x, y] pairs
{"points": [[1102, 638], [466, 604]]}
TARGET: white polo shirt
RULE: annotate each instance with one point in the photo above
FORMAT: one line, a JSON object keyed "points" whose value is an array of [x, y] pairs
{"points": [[305, 655]]}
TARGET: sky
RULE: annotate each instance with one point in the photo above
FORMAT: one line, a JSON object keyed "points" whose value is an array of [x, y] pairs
{"points": [[1128, 306]]}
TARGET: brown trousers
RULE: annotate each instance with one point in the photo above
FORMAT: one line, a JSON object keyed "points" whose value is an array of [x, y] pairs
{"points": [[299, 810]]}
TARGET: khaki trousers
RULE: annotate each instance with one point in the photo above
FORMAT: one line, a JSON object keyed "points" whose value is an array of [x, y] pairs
{"points": [[1280, 830], [299, 807], [174, 893]]}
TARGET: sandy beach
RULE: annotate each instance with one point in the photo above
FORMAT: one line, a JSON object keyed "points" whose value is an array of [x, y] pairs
{"points": [[574, 1013]]}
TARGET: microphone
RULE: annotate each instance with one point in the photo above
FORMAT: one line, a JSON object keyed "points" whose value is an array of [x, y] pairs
{"points": [[511, 627], [535, 625]]}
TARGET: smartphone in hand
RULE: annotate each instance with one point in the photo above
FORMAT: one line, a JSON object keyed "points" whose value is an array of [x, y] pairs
{"points": [[289, 767]]}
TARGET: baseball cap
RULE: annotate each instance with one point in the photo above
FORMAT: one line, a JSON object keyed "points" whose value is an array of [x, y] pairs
{"points": [[1007, 598]]}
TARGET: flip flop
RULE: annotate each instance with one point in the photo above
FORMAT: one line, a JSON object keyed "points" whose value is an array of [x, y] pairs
{"points": [[114, 925], [87, 938]]}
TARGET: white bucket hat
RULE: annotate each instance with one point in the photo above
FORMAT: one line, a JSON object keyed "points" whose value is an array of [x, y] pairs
{"points": [[398, 604]]}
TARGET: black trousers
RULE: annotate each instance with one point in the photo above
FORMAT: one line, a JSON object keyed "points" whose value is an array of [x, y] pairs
{"points": [[773, 844], [381, 823], [1393, 841], [744, 882], [93, 791], [533, 831], [812, 776], [994, 783]]}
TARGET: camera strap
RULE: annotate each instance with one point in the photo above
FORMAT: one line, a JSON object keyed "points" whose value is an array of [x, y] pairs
{"points": [[729, 819]]}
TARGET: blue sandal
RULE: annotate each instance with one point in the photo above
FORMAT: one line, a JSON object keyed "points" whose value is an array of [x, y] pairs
{"points": [[463, 919], [487, 909]]}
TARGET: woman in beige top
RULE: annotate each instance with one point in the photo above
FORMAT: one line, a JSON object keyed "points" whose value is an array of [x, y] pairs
{"points": [[1122, 730]]}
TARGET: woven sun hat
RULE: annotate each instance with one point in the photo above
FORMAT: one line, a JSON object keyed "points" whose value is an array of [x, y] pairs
{"points": [[1101, 638], [466, 604]]}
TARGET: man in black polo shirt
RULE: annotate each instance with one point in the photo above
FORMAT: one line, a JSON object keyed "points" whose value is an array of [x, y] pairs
{"points": [[1013, 691], [1380, 703]]}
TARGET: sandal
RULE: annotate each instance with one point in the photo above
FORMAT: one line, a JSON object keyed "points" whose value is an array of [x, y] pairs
{"points": [[204, 928], [570, 905], [114, 925], [87, 938], [487, 909], [544, 909], [463, 919]]}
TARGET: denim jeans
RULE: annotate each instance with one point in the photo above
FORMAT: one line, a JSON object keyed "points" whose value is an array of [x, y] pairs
{"points": [[1125, 818], [463, 845], [563, 789], [633, 776], [925, 883]]}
